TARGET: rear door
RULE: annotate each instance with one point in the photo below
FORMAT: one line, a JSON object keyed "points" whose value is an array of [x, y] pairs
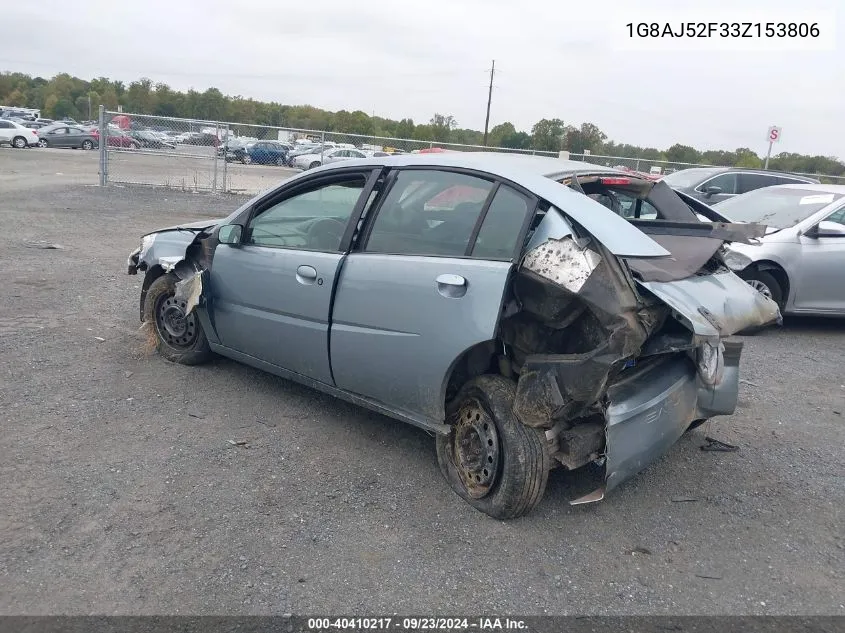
{"points": [[6, 131], [425, 285], [271, 294], [822, 271]]}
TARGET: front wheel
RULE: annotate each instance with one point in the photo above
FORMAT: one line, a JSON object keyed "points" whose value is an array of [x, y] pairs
{"points": [[179, 338], [19, 142], [280, 161], [490, 459], [43, 143], [765, 283], [247, 159], [314, 164]]}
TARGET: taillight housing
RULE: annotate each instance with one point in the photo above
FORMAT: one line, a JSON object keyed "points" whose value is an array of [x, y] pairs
{"points": [[615, 181]]}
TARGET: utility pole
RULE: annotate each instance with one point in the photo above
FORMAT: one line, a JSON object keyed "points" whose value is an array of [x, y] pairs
{"points": [[489, 99]]}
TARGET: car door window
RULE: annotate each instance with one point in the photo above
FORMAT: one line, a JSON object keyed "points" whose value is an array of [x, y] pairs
{"points": [[837, 216], [726, 182], [428, 212], [502, 225], [5, 125], [750, 182], [312, 219]]}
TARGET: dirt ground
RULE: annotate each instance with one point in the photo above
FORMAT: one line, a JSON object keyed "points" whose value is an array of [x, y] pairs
{"points": [[123, 495]]}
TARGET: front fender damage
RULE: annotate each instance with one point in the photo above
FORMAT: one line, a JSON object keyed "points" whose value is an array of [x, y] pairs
{"points": [[185, 252]]}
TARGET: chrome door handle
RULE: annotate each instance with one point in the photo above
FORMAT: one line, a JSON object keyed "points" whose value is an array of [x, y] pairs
{"points": [[306, 275], [451, 286], [451, 280]]}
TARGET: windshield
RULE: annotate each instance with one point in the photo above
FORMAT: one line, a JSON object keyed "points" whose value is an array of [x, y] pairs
{"points": [[688, 177], [776, 207]]}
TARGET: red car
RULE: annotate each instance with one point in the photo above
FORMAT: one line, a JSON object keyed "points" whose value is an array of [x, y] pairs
{"points": [[117, 139]]}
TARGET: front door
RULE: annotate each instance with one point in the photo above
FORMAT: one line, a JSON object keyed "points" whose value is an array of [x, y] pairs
{"points": [[426, 285], [271, 294], [822, 281]]}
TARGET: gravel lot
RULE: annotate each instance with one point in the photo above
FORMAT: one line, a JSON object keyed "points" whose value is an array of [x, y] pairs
{"points": [[123, 495]]}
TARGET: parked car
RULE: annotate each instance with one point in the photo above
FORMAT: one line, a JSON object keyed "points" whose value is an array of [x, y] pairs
{"points": [[299, 149], [483, 297], [118, 138], [714, 184], [260, 152], [59, 135], [310, 161], [17, 135], [800, 262], [200, 138], [150, 139]]}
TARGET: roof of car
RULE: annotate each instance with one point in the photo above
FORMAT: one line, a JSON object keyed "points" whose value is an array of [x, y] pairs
{"points": [[747, 170], [496, 163], [838, 189]]}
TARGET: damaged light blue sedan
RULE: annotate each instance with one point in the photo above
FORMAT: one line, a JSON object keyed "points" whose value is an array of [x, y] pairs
{"points": [[533, 313]]}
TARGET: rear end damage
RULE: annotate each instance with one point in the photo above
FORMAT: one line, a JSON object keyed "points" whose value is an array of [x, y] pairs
{"points": [[615, 358]]}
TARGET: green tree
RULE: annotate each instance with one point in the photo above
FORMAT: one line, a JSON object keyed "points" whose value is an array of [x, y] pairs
{"points": [[404, 129], [747, 158], [588, 136], [547, 135], [682, 154], [499, 132], [442, 126], [64, 108]]}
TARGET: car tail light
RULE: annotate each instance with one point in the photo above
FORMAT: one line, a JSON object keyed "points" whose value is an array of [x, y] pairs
{"points": [[615, 181], [34, 132]]}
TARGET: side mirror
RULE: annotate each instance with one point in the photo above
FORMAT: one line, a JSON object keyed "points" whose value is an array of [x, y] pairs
{"points": [[230, 234], [825, 228], [712, 191]]}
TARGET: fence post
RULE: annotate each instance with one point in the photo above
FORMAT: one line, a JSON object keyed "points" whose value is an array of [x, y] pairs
{"points": [[216, 145], [104, 141], [225, 163], [322, 145], [637, 168]]}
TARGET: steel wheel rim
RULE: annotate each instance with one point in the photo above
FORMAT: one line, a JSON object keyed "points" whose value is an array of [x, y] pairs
{"points": [[760, 287], [476, 450], [174, 328], [20, 143]]}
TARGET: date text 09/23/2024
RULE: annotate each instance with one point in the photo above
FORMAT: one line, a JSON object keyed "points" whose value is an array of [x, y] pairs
{"points": [[767, 30], [417, 624]]}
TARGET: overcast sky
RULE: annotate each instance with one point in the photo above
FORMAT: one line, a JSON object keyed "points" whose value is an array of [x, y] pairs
{"points": [[416, 57]]}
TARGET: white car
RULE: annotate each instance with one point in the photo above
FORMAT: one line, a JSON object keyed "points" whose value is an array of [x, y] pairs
{"points": [[309, 161], [17, 135]]}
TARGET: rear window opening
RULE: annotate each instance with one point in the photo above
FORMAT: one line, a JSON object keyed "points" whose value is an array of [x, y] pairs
{"points": [[632, 198]]}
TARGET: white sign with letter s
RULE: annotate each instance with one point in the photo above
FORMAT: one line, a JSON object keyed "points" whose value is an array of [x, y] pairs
{"points": [[774, 134]]}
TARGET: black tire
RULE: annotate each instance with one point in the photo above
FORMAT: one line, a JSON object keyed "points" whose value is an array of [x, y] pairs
{"points": [[313, 165], [190, 347], [280, 161], [43, 143], [522, 461], [764, 278], [19, 142], [87, 145]]}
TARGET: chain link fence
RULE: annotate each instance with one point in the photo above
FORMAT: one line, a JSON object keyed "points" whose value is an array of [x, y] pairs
{"points": [[196, 155]]}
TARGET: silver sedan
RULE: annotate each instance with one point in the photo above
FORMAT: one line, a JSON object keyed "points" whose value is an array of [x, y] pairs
{"points": [[490, 299], [799, 263]]}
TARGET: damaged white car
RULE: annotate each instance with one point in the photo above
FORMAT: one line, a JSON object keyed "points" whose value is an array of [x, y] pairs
{"points": [[533, 313]]}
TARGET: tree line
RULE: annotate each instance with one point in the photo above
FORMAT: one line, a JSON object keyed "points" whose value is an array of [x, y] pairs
{"points": [[67, 96]]}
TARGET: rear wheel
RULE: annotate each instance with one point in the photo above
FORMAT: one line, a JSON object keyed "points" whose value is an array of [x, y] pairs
{"points": [[490, 459], [87, 145], [19, 142], [314, 164], [179, 338]]}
